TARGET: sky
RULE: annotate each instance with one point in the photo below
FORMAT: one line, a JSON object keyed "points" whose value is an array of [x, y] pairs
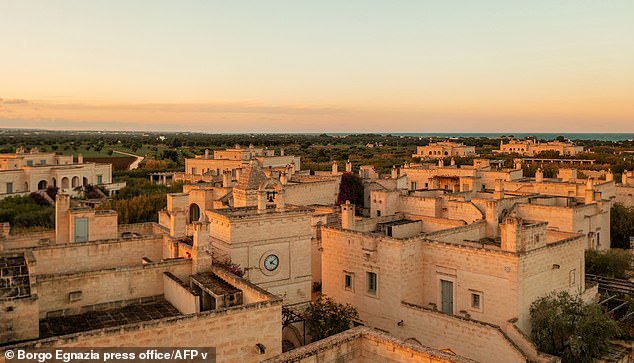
{"points": [[318, 66]]}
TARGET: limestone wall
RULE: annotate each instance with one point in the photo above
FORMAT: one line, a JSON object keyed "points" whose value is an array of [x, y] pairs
{"points": [[180, 295], [19, 319], [467, 338], [108, 285], [559, 266], [321, 192], [362, 344], [625, 195], [233, 331], [97, 255]]}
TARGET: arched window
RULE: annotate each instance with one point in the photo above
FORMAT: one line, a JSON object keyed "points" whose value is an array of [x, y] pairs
{"points": [[42, 185], [194, 213]]}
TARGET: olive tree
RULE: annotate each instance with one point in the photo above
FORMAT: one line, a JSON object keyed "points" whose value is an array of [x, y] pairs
{"points": [[563, 325]]}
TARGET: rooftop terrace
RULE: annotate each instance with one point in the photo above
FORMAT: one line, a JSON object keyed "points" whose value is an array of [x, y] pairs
{"points": [[92, 320]]}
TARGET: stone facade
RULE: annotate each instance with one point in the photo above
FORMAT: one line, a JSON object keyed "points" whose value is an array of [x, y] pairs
{"points": [[22, 173], [67, 291], [531, 147], [443, 150]]}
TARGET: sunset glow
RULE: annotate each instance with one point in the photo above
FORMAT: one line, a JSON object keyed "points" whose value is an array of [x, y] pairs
{"points": [[328, 66]]}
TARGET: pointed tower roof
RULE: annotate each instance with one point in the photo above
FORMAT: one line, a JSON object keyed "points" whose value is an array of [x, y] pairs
{"points": [[252, 176]]}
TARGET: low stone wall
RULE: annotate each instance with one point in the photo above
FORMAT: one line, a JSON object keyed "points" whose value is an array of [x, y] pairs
{"points": [[364, 344]]}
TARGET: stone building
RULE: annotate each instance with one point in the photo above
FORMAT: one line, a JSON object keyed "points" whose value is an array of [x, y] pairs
{"points": [[93, 283], [531, 147], [625, 190], [480, 176], [443, 150], [23, 173], [438, 280], [213, 167]]}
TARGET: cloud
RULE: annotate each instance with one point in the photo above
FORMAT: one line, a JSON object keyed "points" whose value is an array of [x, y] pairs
{"points": [[15, 101]]}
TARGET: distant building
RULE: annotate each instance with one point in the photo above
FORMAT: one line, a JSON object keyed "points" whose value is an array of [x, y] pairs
{"points": [[22, 173], [443, 150], [530, 147], [208, 168], [625, 190]]}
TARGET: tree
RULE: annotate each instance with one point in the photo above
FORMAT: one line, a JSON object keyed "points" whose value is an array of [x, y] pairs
{"points": [[562, 324], [325, 317], [350, 189], [621, 225], [612, 263]]}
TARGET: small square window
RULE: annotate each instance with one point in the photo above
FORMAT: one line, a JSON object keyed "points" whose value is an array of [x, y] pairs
{"points": [[476, 301], [371, 281], [347, 283]]}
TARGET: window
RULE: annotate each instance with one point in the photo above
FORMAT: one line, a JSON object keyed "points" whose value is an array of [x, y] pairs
{"points": [[194, 171], [42, 162], [413, 186], [29, 163], [475, 300], [81, 229], [371, 280], [9, 187], [99, 179], [378, 213], [347, 281]]}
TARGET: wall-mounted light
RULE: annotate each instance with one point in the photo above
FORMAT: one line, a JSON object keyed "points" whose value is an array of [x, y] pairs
{"points": [[400, 323]]}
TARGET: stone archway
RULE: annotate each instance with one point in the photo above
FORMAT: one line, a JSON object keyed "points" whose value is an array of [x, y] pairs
{"points": [[194, 213], [271, 190], [75, 182], [84, 181], [65, 183], [43, 184]]}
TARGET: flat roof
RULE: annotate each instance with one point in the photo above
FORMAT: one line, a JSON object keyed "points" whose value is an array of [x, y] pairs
{"points": [[93, 320]]}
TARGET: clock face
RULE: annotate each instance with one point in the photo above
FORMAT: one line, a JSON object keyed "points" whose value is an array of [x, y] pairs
{"points": [[271, 262]]}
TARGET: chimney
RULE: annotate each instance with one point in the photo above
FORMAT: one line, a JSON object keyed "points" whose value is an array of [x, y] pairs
{"points": [[589, 191], [62, 218], [80, 159], [394, 172], [511, 234], [441, 163], [226, 178], [335, 168], [201, 249], [624, 177], [206, 153], [539, 176], [281, 152], [292, 168], [453, 162], [283, 178], [238, 173], [348, 167], [347, 215], [498, 192], [518, 164], [609, 176]]}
